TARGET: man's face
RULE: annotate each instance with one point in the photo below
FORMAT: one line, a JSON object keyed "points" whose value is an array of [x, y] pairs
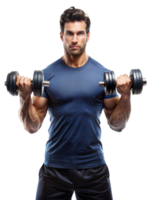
{"points": [[74, 35]]}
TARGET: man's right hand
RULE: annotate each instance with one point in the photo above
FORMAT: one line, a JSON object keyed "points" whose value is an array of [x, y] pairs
{"points": [[24, 87]]}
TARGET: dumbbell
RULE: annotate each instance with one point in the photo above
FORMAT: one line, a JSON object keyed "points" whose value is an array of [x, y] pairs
{"points": [[38, 83], [109, 83]]}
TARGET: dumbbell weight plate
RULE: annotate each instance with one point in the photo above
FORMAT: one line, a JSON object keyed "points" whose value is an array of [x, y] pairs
{"points": [[140, 82], [40, 80], [137, 81], [110, 83], [38, 83], [106, 80], [35, 83], [11, 83], [8, 82], [14, 84], [113, 83], [109, 90]]}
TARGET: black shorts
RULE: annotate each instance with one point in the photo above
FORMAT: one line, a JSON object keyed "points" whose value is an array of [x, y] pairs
{"points": [[88, 184]]}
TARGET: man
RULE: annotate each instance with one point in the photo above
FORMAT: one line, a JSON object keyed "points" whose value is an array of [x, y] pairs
{"points": [[74, 159]]}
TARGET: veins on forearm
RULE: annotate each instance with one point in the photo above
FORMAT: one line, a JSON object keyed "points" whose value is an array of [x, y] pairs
{"points": [[120, 115]]}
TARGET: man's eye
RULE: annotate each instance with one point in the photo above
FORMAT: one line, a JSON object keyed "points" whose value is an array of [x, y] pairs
{"points": [[71, 33]]}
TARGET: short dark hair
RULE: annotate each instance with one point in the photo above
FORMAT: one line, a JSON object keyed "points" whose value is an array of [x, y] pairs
{"points": [[73, 14]]}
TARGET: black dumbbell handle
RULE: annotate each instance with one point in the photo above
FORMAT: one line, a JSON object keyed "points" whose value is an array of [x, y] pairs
{"points": [[102, 84], [4, 83], [145, 82], [45, 83]]}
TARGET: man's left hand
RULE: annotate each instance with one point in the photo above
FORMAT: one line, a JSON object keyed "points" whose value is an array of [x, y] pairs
{"points": [[123, 84]]}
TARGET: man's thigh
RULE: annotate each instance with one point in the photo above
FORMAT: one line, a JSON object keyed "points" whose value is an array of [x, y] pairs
{"points": [[54, 183], [93, 184]]}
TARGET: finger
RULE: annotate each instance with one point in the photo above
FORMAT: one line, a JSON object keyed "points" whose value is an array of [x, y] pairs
{"points": [[27, 82], [21, 80], [17, 80]]}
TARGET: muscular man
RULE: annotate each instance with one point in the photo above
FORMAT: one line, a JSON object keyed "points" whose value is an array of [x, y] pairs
{"points": [[74, 159]]}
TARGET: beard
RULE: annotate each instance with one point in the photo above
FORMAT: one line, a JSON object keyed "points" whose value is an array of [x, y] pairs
{"points": [[75, 52]]}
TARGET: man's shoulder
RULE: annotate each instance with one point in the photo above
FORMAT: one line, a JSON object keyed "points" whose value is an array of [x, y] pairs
{"points": [[99, 64], [53, 64]]}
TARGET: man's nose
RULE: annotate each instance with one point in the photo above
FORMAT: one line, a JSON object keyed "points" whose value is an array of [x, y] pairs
{"points": [[74, 40]]}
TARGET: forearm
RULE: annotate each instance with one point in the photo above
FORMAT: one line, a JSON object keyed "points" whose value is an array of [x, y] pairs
{"points": [[121, 114], [28, 115]]}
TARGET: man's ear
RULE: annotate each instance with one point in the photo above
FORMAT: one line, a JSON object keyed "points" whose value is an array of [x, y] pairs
{"points": [[59, 36], [89, 37]]}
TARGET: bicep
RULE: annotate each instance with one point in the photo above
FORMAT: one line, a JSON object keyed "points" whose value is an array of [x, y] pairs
{"points": [[41, 105], [109, 105]]}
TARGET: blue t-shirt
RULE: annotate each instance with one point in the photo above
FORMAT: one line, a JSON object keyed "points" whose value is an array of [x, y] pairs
{"points": [[75, 105]]}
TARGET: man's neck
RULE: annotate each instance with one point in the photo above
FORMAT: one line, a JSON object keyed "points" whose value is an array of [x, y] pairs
{"points": [[75, 61]]}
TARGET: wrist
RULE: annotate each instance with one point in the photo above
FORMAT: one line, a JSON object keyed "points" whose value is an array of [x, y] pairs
{"points": [[125, 97]]}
